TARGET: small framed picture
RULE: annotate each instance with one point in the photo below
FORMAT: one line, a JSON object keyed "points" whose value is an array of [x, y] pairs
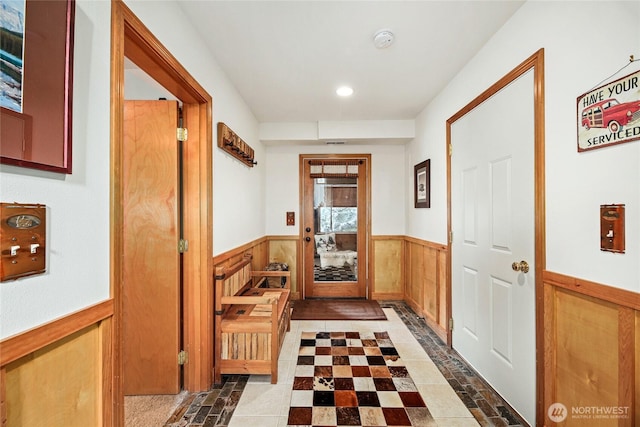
{"points": [[422, 184]]}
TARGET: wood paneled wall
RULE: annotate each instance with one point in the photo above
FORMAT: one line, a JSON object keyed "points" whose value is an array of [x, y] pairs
{"points": [[591, 340], [425, 291], [59, 374], [636, 374], [403, 268], [414, 270], [285, 249], [258, 248], [387, 281], [592, 352], [265, 250], [58, 385], [637, 368]]}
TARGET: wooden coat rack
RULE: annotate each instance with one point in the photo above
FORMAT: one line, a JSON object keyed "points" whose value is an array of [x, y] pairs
{"points": [[230, 142]]}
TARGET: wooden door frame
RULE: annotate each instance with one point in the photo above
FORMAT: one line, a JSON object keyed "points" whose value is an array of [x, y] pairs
{"points": [[368, 247], [130, 38], [536, 63]]}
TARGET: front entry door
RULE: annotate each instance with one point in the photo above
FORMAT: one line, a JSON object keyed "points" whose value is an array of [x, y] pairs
{"points": [[492, 214], [334, 226], [151, 298]]}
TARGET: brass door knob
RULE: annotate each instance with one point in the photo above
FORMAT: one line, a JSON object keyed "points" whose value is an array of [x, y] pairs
{"points": [[520, 266]]}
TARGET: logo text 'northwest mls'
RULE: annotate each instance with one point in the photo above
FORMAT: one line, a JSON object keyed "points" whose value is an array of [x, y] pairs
{"points": [[557, 412]]}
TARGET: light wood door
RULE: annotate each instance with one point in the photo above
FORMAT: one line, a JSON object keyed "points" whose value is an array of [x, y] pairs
{"points": [[492, 191], [335, 229], [151, 299]]}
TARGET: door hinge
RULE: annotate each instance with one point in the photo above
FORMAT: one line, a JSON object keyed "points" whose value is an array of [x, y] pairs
{"points": [[182, 357], [181, 134], [450, 236], [451, 324], [450, 149], [183, 246]]}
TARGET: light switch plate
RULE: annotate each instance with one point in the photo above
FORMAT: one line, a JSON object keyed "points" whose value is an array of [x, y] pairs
{"points": [[23, 229], [612, 228]]}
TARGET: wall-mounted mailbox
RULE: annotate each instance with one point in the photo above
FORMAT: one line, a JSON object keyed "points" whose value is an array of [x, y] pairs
{"points": [[23, 230], [612, 228]]}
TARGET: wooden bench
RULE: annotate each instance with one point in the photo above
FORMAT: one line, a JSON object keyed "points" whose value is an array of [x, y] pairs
{"points": [[251, 320]]}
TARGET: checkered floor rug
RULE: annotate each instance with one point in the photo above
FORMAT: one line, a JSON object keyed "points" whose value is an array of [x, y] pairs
{"points": [[353, 379], [334, 274]]}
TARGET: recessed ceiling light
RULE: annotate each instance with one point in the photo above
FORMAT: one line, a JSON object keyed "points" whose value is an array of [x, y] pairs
{"points": [[344, 91]]}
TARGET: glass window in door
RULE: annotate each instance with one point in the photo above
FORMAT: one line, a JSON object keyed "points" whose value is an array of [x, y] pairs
{"points": [[335, 208]]}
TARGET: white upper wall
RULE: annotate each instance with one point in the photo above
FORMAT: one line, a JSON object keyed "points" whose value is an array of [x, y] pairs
{"points": [[577, 59], [360, 131], [78, 220], [238, 191], [387, 198], [78, 204], [577, 183]]}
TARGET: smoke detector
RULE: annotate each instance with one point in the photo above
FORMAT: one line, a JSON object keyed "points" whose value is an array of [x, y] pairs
{"points": [[383, 39]]}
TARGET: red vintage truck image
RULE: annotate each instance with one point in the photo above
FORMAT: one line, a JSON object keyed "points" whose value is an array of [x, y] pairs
{"points": [[610, 114]]}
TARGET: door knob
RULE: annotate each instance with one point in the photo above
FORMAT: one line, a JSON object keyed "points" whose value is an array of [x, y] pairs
{"points": [[308, 239], [520, 266], [308, 229]]}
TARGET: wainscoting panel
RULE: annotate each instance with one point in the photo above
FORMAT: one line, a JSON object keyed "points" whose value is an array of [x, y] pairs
{"points": [[260, 255], [388, 274], [414, 288], [587, 369], [637, 368], [592, 352], [60, 374], [426, 285], [285, 249], [265, 250], [430, 299], [57, 385], [442, 289], [402, 268], [259, 249]]}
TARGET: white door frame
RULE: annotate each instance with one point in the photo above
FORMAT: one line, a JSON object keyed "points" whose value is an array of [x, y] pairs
{"points": [[536, 63]]}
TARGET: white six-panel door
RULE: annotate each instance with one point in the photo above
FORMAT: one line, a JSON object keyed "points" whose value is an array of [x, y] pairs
{"points": [[492, 214]]}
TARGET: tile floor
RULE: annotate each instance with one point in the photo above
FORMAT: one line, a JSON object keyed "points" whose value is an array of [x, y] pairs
{"points": [[353, 379], [453, 393]]}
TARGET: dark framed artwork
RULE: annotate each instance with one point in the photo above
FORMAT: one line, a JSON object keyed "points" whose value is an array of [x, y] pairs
{"points": [[422, 184], [37, 78]]}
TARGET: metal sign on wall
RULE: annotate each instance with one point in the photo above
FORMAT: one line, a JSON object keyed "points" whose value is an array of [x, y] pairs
{"points": [[609, 114]]}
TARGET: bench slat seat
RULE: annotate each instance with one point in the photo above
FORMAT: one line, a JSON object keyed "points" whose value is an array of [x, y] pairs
{"points": [[250, 321]]}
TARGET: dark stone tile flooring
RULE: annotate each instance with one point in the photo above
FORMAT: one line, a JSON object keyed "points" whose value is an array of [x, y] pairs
{"points": [[215, 407], [488, 408]]}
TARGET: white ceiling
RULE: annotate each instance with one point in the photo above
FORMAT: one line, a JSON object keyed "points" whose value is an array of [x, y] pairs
{"points": [[286, 58]]}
